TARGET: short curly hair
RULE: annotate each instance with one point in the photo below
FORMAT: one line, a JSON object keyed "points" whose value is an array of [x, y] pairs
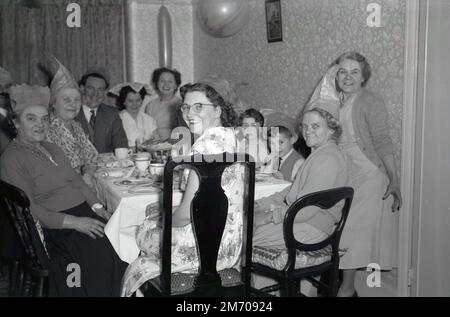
{"points": [[332, 122], [229, 117], [159, 71]]}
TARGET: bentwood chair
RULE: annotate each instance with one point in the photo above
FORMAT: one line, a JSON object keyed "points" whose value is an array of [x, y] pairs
{"points": [[209, 212], [34, 264], [297, 261]]}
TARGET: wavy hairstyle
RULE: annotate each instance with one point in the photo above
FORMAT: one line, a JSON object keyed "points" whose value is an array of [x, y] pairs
{"points": [[332, 122], [228, 116]]}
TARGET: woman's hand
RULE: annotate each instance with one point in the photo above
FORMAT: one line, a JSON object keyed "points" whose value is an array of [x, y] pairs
{"points": [[153, 210], [394, 190], [262, 218], [102, 212], [89, 226]]}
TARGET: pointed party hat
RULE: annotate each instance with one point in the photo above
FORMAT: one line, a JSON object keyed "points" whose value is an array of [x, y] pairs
{"points": [[62, 79], [325, 95]]}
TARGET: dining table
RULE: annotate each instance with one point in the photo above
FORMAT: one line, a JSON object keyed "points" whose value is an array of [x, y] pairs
{"points": [[126, 199]]}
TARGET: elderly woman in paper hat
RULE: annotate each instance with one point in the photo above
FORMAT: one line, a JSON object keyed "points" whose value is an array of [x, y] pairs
{"points": [[211, 117], [69, 212], [324, 168], [64, 130], [370, 232], [140, 127]]}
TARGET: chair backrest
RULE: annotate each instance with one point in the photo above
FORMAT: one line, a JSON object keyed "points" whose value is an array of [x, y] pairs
{"points": [[18, 205], [325, 200], [209, 210]]}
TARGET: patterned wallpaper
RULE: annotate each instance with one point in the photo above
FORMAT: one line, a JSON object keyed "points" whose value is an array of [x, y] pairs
{"points": [[144, 38], [282, 75]]}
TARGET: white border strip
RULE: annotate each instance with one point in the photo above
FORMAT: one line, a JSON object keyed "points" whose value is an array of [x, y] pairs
{"points": [[408, 146]]}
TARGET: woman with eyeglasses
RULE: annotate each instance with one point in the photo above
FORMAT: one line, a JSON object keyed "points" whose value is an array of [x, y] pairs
{"points": [[210, 115]]}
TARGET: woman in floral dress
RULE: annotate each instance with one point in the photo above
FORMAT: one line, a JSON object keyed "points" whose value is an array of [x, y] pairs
{"points": [[210, 116]]}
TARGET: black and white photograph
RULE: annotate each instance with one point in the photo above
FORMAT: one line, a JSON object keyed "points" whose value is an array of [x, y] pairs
{"points": [[246, 149]]}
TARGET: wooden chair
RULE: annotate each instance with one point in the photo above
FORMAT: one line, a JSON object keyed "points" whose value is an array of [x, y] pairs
{"points": [[304, 261], [34, 264], [209, 212]]}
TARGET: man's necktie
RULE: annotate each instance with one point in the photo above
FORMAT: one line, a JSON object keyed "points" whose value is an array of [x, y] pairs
{"points": [[279, 163], [92, 120]]}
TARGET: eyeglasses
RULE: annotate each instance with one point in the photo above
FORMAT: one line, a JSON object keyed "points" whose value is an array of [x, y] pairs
{"points": [[196, 107]]}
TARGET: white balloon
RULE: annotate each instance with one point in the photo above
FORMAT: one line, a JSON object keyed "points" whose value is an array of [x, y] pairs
{"points": [[222, 18], [164, 38]]}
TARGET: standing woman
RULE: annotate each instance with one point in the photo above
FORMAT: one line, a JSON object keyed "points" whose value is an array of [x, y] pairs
{"points": [[165, 106], [370, 232]]}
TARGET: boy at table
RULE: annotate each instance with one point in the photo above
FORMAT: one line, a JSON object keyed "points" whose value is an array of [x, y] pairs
{"points": [[289, 160]]}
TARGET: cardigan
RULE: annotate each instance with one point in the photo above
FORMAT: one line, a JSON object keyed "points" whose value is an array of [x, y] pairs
{"points": [[50, 188], [370, 123], [325, 168]]}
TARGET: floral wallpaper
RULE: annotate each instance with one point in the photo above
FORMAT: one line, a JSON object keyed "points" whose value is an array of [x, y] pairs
{"points": [[282, 75]]}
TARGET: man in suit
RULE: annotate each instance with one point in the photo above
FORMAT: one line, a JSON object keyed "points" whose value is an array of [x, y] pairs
{"points": [[101, 122]]}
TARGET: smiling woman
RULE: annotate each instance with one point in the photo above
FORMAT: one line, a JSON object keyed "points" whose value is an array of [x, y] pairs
{"points": [[64, 131], [60, 201], [139, 126]]}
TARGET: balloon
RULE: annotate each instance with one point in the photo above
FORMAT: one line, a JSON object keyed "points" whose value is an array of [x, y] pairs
{"points": [[223, 18], [164, 38]]}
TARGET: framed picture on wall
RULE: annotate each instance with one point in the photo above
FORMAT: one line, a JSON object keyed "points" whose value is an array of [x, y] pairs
{"points": [[273, 21]]}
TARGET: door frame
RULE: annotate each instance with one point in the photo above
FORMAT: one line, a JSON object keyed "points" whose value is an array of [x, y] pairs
{"points": [[404, 278]]}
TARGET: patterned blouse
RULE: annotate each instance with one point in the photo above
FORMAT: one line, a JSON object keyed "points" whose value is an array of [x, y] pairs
{"points": [[77, 147], [184, 252]]}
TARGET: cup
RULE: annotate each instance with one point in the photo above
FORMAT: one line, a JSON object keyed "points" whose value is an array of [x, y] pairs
{"points": [[122, 153], [157, 169], [142, 165], [143, 156]]}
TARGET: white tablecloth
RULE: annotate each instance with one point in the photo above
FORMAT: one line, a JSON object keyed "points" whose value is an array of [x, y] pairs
{"points": [[129, 211]]}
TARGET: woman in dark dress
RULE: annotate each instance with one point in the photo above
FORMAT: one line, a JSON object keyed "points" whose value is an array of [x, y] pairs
{"points": [[82, 261]]}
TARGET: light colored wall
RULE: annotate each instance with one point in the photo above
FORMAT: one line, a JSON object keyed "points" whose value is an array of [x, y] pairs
{"points": [[432, 257], [282, 75], [143, 38]]}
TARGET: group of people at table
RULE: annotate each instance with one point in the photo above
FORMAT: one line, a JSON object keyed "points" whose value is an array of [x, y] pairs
{"points": [[51, 137]]}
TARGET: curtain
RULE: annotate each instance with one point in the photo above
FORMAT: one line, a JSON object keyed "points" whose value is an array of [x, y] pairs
{"points": [[27, 32]]}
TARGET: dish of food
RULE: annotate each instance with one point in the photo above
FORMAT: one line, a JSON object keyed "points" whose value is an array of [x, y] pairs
{"points": [[144, 190], [133, 182]]}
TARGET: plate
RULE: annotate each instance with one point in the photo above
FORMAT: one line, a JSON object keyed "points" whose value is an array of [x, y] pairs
{"points": [[144, 190], [260, 177], [133, 182]]}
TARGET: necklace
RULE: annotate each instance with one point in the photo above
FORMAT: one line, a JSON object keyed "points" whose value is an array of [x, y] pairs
{"points": [[37, 150]]}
